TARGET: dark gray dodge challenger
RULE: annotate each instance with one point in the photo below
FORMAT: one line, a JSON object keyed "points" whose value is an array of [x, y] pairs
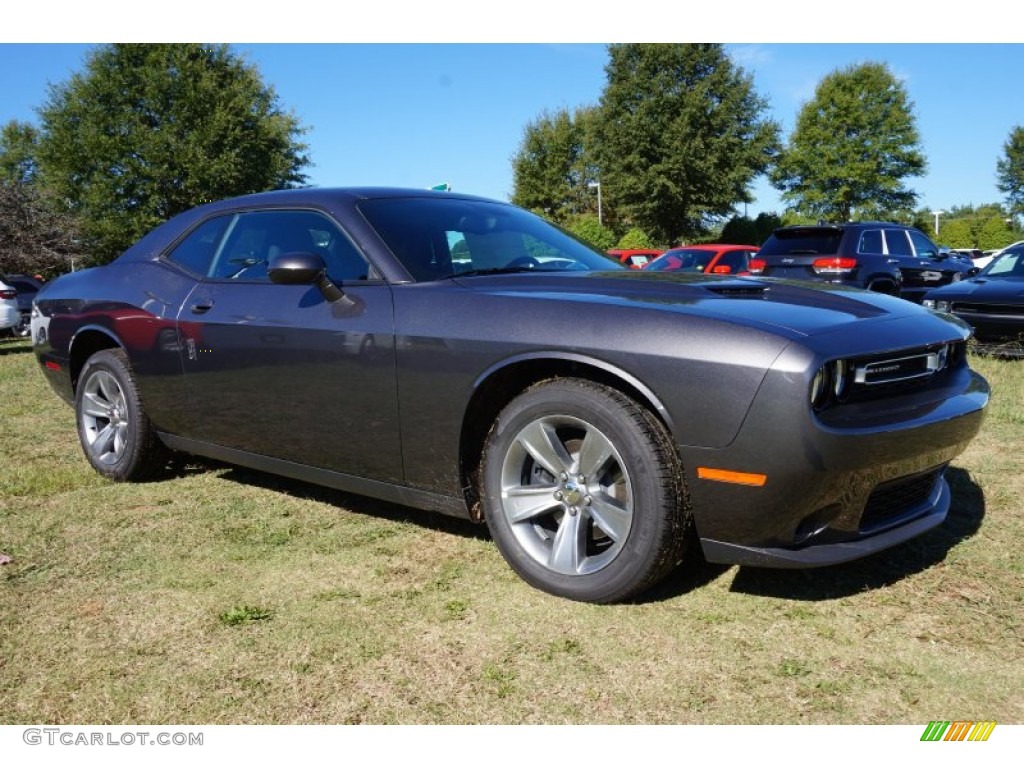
{"points": [[461, 355]]}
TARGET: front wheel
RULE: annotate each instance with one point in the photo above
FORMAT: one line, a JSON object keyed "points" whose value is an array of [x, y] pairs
{"points": [[113, 427], [583, 492]]}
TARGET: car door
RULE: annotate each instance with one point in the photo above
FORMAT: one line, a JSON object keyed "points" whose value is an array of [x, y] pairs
{"points": [[920, 271], [280, 371]]}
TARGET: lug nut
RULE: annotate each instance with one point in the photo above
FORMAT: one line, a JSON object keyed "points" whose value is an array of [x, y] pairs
{"points": [[559, 495], [573, 511]]}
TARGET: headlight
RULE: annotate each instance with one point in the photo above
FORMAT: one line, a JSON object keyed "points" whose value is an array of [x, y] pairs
{"points": [[930, 303], [840, 379], [819, 388], [831, 384], [942, 306]]}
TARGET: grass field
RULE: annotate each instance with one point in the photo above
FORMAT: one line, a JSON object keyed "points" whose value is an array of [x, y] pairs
{"points": [[227, 596]]}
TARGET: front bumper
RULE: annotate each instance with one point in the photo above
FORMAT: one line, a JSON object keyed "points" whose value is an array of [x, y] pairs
{"points": [[838, 486]]}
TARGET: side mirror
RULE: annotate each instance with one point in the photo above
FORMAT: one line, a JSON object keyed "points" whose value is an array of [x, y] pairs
{"points": [[295, 268], [303, 269]]}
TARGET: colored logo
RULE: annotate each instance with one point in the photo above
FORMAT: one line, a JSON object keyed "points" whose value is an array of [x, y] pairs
{"points": [[958, 730]]}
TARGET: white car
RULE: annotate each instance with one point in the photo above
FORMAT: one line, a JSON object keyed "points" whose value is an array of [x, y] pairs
{"points": [[9, 314]]}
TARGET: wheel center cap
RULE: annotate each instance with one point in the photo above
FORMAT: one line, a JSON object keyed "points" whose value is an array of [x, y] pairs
{"points": [[573, 495]]}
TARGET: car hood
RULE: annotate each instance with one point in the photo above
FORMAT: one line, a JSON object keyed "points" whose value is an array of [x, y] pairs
{"points": [[799, 308], [983, 288]]}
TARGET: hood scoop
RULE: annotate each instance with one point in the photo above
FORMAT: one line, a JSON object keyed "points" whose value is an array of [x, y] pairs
{"points": [[740, 291]]}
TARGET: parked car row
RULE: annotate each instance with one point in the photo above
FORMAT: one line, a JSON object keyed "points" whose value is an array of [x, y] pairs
{"points": [[984, 290], [452, 353], [887, 258]]}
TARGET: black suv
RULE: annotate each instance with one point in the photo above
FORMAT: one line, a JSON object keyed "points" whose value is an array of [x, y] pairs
{"points": [[879, 256]]}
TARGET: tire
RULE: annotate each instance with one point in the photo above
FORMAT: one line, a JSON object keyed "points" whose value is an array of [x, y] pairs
{"points": [[583, 492], [113, 427]]}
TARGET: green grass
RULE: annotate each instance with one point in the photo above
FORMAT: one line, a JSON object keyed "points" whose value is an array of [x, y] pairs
{"points": [[222, 595]]}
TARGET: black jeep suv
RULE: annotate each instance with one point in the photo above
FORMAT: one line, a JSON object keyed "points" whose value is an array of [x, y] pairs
{"points": [[879, 256]]}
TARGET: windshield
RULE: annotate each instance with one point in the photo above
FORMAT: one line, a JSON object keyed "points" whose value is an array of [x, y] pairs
{"points": [[809, 241], [1007, 264], [682, 260], [435, 238]]}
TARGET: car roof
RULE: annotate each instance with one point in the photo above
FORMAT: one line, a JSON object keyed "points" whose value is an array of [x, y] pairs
{"points": [[323, 194], [843, 225]]}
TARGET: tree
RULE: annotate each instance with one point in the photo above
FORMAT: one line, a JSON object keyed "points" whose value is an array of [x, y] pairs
{"points": [[1010, 171], [36, 236], [956, 233], [994, 233], [551, 170], [745, 231], [854, 145], [968, 226], [680, 137], [634, 238], [148, 131], [18, 152], [587, 228]]}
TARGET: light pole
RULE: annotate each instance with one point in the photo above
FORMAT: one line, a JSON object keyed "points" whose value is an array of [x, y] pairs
{"points": [[597, 185], [936, 214]]}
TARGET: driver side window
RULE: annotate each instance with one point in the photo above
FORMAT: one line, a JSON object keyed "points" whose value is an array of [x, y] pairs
{"points": [[255, 238]]}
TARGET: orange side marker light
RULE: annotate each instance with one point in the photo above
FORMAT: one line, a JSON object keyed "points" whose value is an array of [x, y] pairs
{"points": [[728, 476]]}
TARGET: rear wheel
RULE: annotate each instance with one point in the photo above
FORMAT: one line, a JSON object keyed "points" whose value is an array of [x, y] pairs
{"points": [[113, 427], [583, 492]]}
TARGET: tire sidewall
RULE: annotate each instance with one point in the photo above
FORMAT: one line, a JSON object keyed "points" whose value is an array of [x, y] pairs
{"points": [[621, 421]]}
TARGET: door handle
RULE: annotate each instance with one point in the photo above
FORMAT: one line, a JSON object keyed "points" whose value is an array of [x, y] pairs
{"points": [[202, 306]]}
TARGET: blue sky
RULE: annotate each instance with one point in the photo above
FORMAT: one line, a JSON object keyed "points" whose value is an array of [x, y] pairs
{"points": [[414, 114]]}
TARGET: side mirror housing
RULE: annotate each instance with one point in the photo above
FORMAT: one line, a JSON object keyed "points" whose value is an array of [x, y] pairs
{"points": [[295, 268], [304, 269]]}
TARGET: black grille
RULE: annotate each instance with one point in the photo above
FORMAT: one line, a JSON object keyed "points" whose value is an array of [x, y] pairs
{"points": [[1012, 310], [900, 373], [890, 501]]}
